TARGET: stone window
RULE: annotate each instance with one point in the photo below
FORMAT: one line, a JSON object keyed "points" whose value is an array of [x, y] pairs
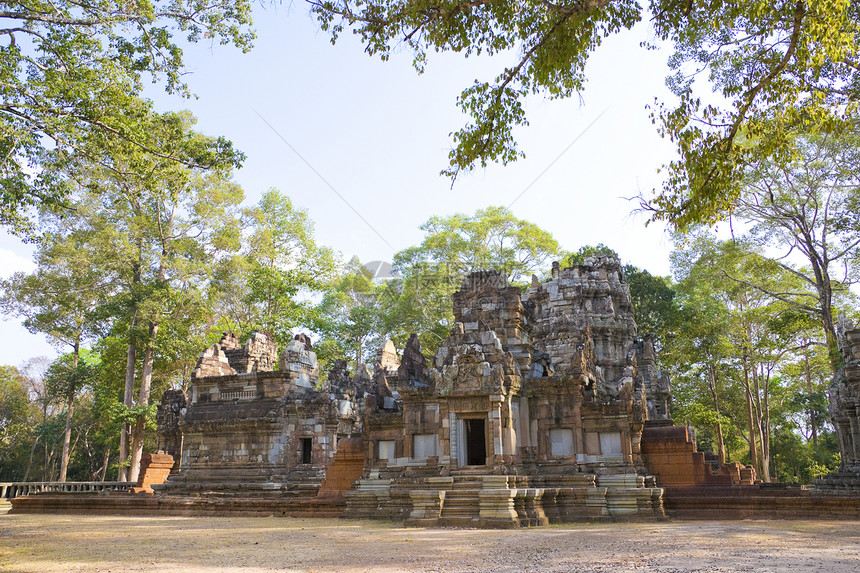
{"points": [[610, 443], [561, 442], [306, 445], [424, 446], [386, 449]]}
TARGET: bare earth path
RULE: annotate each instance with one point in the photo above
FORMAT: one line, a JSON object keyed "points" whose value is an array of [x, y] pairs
{"points": [[64, 543]]}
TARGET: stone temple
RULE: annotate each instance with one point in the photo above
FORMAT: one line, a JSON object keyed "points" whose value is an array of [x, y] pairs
{"points": [[532, 411], [541, 406]]}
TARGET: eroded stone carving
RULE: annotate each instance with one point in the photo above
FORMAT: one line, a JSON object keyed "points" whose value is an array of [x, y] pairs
{"points": [[844, 408], [249, 429], [546, 393], [531, 411]]}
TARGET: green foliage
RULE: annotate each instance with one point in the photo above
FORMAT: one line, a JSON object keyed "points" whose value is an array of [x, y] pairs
{"points": [[762, 359], [71, 75], [64, 377], [61, 298], [350, 317], [778, 67], [654, 303], [553, 42], [773, 66], [578, 258], [493, 238], [16, 429], [420, 302], [269, 284]]}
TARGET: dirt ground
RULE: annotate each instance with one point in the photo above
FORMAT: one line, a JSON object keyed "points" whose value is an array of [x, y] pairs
{"points": [[65, 543]]}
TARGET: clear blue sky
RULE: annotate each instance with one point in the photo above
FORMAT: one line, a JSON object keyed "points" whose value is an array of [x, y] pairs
{"points": [[378, 133]]}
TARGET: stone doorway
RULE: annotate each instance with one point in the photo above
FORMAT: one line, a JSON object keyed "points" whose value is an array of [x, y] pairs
{"points": [[475, 440], [307, 450]]}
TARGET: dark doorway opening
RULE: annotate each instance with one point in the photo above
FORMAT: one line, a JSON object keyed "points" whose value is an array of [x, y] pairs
{"points": [[307, 450], [476, 442]]}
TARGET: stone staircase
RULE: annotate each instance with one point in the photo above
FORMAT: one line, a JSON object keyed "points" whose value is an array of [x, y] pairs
{"points": [[475, 498], [250, 481]]}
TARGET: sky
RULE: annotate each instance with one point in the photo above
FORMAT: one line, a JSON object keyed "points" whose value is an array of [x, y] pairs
{"points": [[360, 143]]}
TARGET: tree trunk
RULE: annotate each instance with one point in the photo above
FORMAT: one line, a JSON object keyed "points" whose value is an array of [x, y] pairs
{"points": [[712, 382], [750, 415], [30, 461], [128, 402], [105, 464], [131, 362], [820, 264], [765, 422], [813, 422], [70, 405], [142, 400], [762, 427]]}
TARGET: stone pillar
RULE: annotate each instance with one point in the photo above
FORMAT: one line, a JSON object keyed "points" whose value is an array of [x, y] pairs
{"points": [[426, 507], [154, 470], [495, 425], [496, 502]]}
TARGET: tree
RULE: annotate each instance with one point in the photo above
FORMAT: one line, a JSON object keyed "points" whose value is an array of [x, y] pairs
{"points": [[65, 378], [654, 303], [766, 342], [700, 352], [60, 299], [16, 422], [809, 208], [491, 239], [71, 74], [349, 315], [268, 284], [157, 226], [788, 62]]}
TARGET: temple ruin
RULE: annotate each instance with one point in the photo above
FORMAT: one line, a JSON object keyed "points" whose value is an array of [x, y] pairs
{"points": [[251, 429], [844, 407], [541, 406], [531, 412]]}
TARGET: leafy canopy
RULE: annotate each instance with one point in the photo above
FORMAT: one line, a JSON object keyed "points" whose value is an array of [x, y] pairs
{"points": [[71, 74], [773, 65]]}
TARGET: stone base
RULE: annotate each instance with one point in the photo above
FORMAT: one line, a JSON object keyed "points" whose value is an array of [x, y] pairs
{"points": [[154, 470], [845, 481], [129, 504], [502, 501], [764, 501], [559, 505]]}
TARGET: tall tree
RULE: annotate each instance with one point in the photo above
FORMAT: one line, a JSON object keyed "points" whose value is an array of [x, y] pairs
{"points": [[269, 283], [793, 62], [17, 421], [654, 303], [807, 209], [157, 225], [71, 73], [60, 299], [764, 336], [350, 314], [493, 238], [65, 378]]}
